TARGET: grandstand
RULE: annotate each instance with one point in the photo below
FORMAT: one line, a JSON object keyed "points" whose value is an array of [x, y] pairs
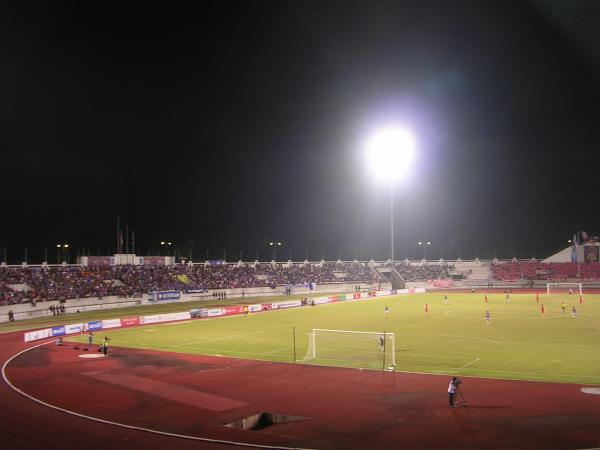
{"points": [[125, 280]]}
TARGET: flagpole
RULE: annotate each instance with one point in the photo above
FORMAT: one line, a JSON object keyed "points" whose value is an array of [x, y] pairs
{"points": [[118, 235], [576, 238]]}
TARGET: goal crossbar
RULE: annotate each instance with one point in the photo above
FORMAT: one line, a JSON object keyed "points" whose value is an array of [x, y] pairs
{"points": [[577, 287], [353, 346]]}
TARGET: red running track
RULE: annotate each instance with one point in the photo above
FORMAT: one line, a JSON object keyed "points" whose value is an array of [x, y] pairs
{"points": [[348, 409]]}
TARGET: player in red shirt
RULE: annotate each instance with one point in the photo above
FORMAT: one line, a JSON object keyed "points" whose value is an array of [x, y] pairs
{"points": [[543, 309]]}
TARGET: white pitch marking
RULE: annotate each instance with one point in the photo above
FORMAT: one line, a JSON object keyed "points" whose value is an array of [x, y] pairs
{"points": [[468, 364], [277, 351], [220, 338]]}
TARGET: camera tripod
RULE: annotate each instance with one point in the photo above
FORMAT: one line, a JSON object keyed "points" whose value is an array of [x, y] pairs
{"points": [[459, 394]]}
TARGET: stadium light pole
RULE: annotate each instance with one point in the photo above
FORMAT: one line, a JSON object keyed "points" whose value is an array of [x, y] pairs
{"points": [[424, 244], [390, 153], [61, 251], [275, 244]]}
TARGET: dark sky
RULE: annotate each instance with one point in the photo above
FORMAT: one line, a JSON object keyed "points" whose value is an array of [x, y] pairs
{"points": [[226, 124]]}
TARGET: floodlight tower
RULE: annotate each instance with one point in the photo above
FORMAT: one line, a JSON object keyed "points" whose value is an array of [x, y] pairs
{"points": [[390, 154], [275, 244]]}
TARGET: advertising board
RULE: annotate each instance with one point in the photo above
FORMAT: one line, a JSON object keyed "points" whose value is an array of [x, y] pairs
{"points": [[111, 323]]}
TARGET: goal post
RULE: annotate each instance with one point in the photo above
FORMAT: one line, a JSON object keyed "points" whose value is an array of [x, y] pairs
{"points": [[562, 288], [364, 349]]}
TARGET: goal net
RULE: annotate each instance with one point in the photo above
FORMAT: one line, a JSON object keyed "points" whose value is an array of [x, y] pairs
{"points": [[364, 349], [564, 288]]}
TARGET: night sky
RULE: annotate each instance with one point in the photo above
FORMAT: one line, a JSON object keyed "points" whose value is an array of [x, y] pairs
{"points": [[224, 125]]}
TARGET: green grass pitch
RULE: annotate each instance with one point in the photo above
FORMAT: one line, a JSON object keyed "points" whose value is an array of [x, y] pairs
{"points": [[518, 343]]}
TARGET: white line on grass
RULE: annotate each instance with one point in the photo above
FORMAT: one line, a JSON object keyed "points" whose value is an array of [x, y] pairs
{"points": [[278, 350], [468, 364], [215, 351], [232, 336]]}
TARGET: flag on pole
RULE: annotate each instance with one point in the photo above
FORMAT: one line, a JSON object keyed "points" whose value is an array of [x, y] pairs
{"points": [[574, 250]]}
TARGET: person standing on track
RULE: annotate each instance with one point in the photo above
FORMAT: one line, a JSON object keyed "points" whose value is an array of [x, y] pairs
{"points": [[452, 393], [90, 338], [105, 346], [488, 317]]}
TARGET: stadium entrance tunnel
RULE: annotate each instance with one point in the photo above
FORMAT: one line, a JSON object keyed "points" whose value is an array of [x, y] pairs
{"points": [[262, 420]]}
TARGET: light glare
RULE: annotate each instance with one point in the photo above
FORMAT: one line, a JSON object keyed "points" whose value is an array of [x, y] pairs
{"points": [[391, 152]]}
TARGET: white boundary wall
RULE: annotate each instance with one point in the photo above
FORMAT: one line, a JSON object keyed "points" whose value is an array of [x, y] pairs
{"points": [[27, 311]]}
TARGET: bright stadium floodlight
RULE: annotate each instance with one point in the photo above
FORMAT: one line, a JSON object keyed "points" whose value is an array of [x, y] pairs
{"points": [[390, 153]]}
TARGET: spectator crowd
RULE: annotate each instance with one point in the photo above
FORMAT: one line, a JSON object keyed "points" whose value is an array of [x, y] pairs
{"points": [[33, 284], [536, 270]]}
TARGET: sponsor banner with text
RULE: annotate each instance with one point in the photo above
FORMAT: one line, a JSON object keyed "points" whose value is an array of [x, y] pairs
{"points": [[255, 308], [170, 317], [111, 323], [130, 321], [58, 331], [183, 315], [230, 310], [38, 334], [290, 304], [211, 312], [95, 325], [443, 283], [322, 300], [74, 328], [144, 320], [162, 296]]}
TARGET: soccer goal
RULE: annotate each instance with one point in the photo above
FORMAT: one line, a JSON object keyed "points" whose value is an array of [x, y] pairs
{"points": [[365, 349], [564, 288]]}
